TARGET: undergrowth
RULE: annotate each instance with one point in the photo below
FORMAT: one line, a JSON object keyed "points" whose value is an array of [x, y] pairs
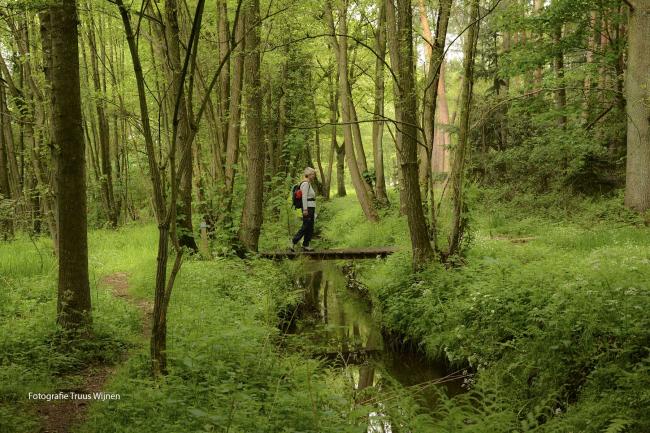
{"points": [[225, 372], [549, 312], [35, 355]]}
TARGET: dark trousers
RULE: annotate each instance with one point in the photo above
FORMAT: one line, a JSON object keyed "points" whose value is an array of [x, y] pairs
{"points": [[307, 229]]}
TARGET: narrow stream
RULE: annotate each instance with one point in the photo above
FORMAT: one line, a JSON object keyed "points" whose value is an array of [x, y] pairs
{"points": [[336, 324]]}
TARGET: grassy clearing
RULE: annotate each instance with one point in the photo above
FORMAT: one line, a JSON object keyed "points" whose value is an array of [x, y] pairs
{"points": [[556, 327], [33, 356]]}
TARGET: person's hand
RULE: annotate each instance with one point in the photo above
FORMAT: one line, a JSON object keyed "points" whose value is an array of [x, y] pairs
{"points": [[305, 212]]}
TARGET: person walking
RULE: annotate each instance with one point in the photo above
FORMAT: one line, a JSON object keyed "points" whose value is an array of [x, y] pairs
{"points": [[308, 211]]}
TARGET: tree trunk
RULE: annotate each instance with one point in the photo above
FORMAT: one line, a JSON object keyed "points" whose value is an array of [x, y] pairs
{"points": [[234, 119], [252, 215], [558, 64], [435, 90], [378, 124], [538, 5], [334, 147], [15, 186], [441, 136], [457, 173], [406, 105], [73, 307], [637, 93], [106, 178], [340, 170], [223, 32], [6, 223], [425, 153], [173, 43], [341, 50]]}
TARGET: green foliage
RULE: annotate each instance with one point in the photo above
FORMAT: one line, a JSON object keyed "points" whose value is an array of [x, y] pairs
{"points": [[225, 372], [518, 130], [35, 355], [549, 311]]}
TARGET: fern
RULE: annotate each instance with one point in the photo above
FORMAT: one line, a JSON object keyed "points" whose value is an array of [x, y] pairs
{"points": [[618, 425]]}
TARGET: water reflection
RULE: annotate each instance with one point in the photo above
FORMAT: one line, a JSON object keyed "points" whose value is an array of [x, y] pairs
{"points": [[339, 326]]}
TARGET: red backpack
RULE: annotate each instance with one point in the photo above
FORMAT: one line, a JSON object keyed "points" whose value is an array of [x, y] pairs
{"points": [[296, 195]]}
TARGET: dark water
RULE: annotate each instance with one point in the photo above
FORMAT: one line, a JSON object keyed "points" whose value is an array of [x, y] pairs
{"points": [[336, 324]]}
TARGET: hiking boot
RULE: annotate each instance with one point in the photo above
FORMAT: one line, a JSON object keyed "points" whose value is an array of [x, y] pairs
{"points": [[307, 249]]}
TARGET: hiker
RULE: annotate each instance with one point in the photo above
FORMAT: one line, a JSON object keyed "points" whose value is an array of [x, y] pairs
{"points": [[308, 211]]}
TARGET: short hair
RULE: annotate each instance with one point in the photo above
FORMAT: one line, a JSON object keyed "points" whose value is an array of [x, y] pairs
{"points": [[309, 171]]}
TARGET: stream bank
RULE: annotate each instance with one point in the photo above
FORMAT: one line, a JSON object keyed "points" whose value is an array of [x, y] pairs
{"points": [[334, 323]]}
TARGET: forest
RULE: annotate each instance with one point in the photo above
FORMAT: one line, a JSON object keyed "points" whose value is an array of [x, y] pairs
{"points": [[321, 216]]}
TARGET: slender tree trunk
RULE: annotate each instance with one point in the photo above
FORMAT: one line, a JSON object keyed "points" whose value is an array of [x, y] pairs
{"points": [[337, 151], [637, 94], [340, 170], [15, 187], [6, 223], [184, 214], [458, 169], [73, 307], [252, 216], [324, 186], [223, 32], [425, 154], [106, 177], [341, 49], [435, 89], [378, 124], [234, 119], [406, 105], [538, 5], [442, 138], [158, 332], [560, 94]]}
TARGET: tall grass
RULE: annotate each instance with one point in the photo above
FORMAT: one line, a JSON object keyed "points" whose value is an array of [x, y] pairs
{"points": [[33, 357]]}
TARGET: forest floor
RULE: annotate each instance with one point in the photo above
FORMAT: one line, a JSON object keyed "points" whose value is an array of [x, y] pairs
{"points": [[548, 311], [63, 416]]}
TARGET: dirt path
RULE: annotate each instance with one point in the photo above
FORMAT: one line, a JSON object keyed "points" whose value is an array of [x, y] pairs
{"points": [[62, 416]]}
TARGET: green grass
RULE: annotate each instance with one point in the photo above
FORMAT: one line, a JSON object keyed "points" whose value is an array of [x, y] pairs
{"points": [[556, 328], [33, 356], [226, 371]]}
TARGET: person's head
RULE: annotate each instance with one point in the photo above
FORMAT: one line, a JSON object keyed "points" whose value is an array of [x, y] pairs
{"points": [[310, 174]]}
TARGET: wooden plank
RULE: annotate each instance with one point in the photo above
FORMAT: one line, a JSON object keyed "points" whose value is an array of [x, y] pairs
{"points": [[349, 253]]}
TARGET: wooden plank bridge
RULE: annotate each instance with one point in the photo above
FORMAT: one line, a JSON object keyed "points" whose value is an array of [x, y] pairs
{"points": [[336, 254]]}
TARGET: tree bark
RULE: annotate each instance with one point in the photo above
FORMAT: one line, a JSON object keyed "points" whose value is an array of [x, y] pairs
{"points": [[435, 92], [106, 178], [223, 32], [441, 136], [184, 213], [234, 119], [406, 105], [252, 215], [6, 222], [458, 169], [637, 93], [15, 187], [378, 124], [558, 64], [341, 50], [73, 306]]}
